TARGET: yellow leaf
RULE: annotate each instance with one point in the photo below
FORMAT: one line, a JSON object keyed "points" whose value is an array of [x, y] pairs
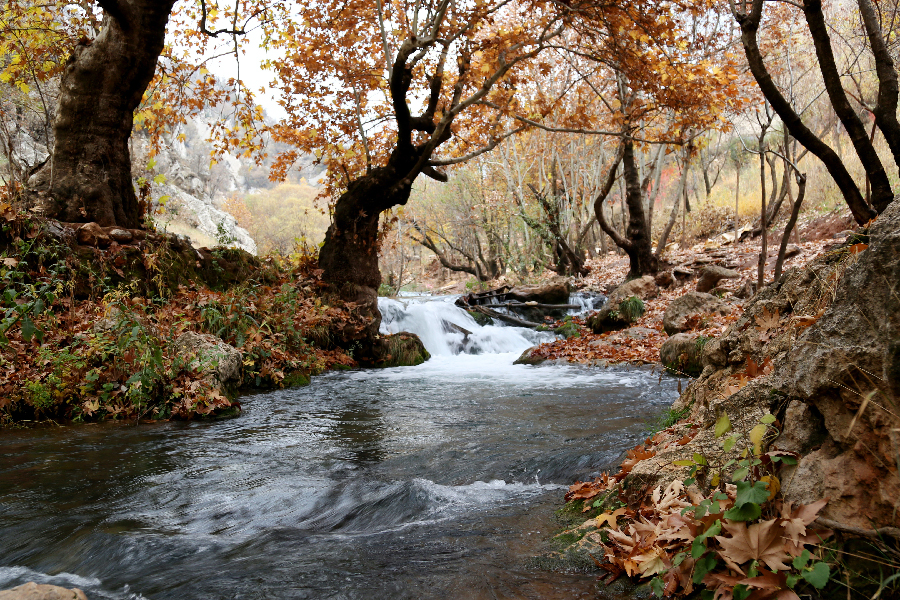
{"points": [[756, 437]]}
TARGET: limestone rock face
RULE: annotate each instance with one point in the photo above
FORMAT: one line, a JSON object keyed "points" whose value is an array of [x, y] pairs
{"points": [[677, 316], [38, 591], [830, 335], [711, 275], [680, 354], [222, 362]]}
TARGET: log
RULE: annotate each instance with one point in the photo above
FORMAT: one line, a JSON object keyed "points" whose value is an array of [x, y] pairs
{"points": [[534, 305], [506, 318]]}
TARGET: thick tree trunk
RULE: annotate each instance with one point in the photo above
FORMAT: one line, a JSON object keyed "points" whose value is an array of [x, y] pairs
{"points": [[89, 176], [888, 86], [349, 256], [865, 150]]}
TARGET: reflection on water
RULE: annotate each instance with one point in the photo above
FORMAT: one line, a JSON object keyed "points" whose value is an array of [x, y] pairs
{"points": [[361, 430], [437, 481]]}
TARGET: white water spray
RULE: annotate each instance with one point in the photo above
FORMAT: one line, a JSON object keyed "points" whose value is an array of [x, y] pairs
{"points": [[446, 329]]}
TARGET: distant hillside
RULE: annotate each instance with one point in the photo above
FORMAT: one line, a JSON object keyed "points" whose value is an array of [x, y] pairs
{"points": [[280, 217]]}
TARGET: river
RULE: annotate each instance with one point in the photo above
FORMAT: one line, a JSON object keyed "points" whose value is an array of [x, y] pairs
{"points": [[435, 482]]}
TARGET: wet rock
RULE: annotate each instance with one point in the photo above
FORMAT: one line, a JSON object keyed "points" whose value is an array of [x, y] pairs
{"points": [[221, 362], [403, 350], [526, 358], [682, 311], [680, 354], [710, 275], [39, 591]]}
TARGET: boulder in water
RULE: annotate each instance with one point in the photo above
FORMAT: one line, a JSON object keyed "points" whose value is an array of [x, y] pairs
{"points": [[40, 591], [402, 350], [526, 358]]}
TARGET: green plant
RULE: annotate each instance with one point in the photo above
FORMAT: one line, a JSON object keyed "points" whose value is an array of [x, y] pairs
{"points": [[668, 418], [223, 236], [632, 308], [738, 539]]}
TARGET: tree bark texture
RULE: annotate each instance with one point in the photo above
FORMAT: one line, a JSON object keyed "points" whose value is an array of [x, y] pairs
{"points": [[103, 83], [636, 242], [749, 24], [349, 256], [888, 87]]}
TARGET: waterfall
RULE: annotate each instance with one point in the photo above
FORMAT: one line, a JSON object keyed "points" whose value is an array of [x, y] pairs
{"points": [[586, 302], [446, 329]]}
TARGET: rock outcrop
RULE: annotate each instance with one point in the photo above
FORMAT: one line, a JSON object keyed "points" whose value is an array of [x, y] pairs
{"points": [[682, 313], [711, 275], [40, 591], [555, 291], [614, 315], [820, 350], [680, 354]]}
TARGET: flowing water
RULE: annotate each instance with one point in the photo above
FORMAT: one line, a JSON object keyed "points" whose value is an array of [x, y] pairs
{"points": [[436, 481]]}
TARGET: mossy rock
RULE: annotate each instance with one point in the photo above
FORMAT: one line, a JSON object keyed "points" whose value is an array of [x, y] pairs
{"points": [[680, 354], [402, 350], [480, 318], [616, 317], [527, 359], [296, 379]]}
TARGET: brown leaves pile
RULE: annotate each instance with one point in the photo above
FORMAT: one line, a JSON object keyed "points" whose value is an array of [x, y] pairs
{"points": [[77, 370], [663, 537]]}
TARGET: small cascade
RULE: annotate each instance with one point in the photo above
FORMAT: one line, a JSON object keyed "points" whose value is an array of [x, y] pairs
{"points": [[446, 329], [586, 302]]}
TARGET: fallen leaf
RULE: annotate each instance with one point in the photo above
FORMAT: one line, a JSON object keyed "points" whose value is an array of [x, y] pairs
{"points": [[760, 541]]}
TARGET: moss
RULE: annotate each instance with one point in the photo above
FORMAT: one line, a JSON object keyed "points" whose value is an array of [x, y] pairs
{"points": [[632, 308], [402, 350], [480, 318], [296, 379]]}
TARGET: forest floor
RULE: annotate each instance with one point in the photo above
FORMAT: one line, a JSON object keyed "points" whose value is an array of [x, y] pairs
{"points": [[150, 328], [816, 236]]}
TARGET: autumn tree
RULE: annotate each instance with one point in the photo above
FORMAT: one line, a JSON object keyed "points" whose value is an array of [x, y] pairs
{"points": [[749, 15], [120, 64], [376, 88], [655, 73]]}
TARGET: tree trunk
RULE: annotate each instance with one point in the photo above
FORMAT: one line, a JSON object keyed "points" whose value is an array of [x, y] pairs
{"points": [[792, 221], [749, 24], [89, 175], [737, 199], [664, 238], [888, 87], [882, 194], [636, 242], [349, 255]]}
